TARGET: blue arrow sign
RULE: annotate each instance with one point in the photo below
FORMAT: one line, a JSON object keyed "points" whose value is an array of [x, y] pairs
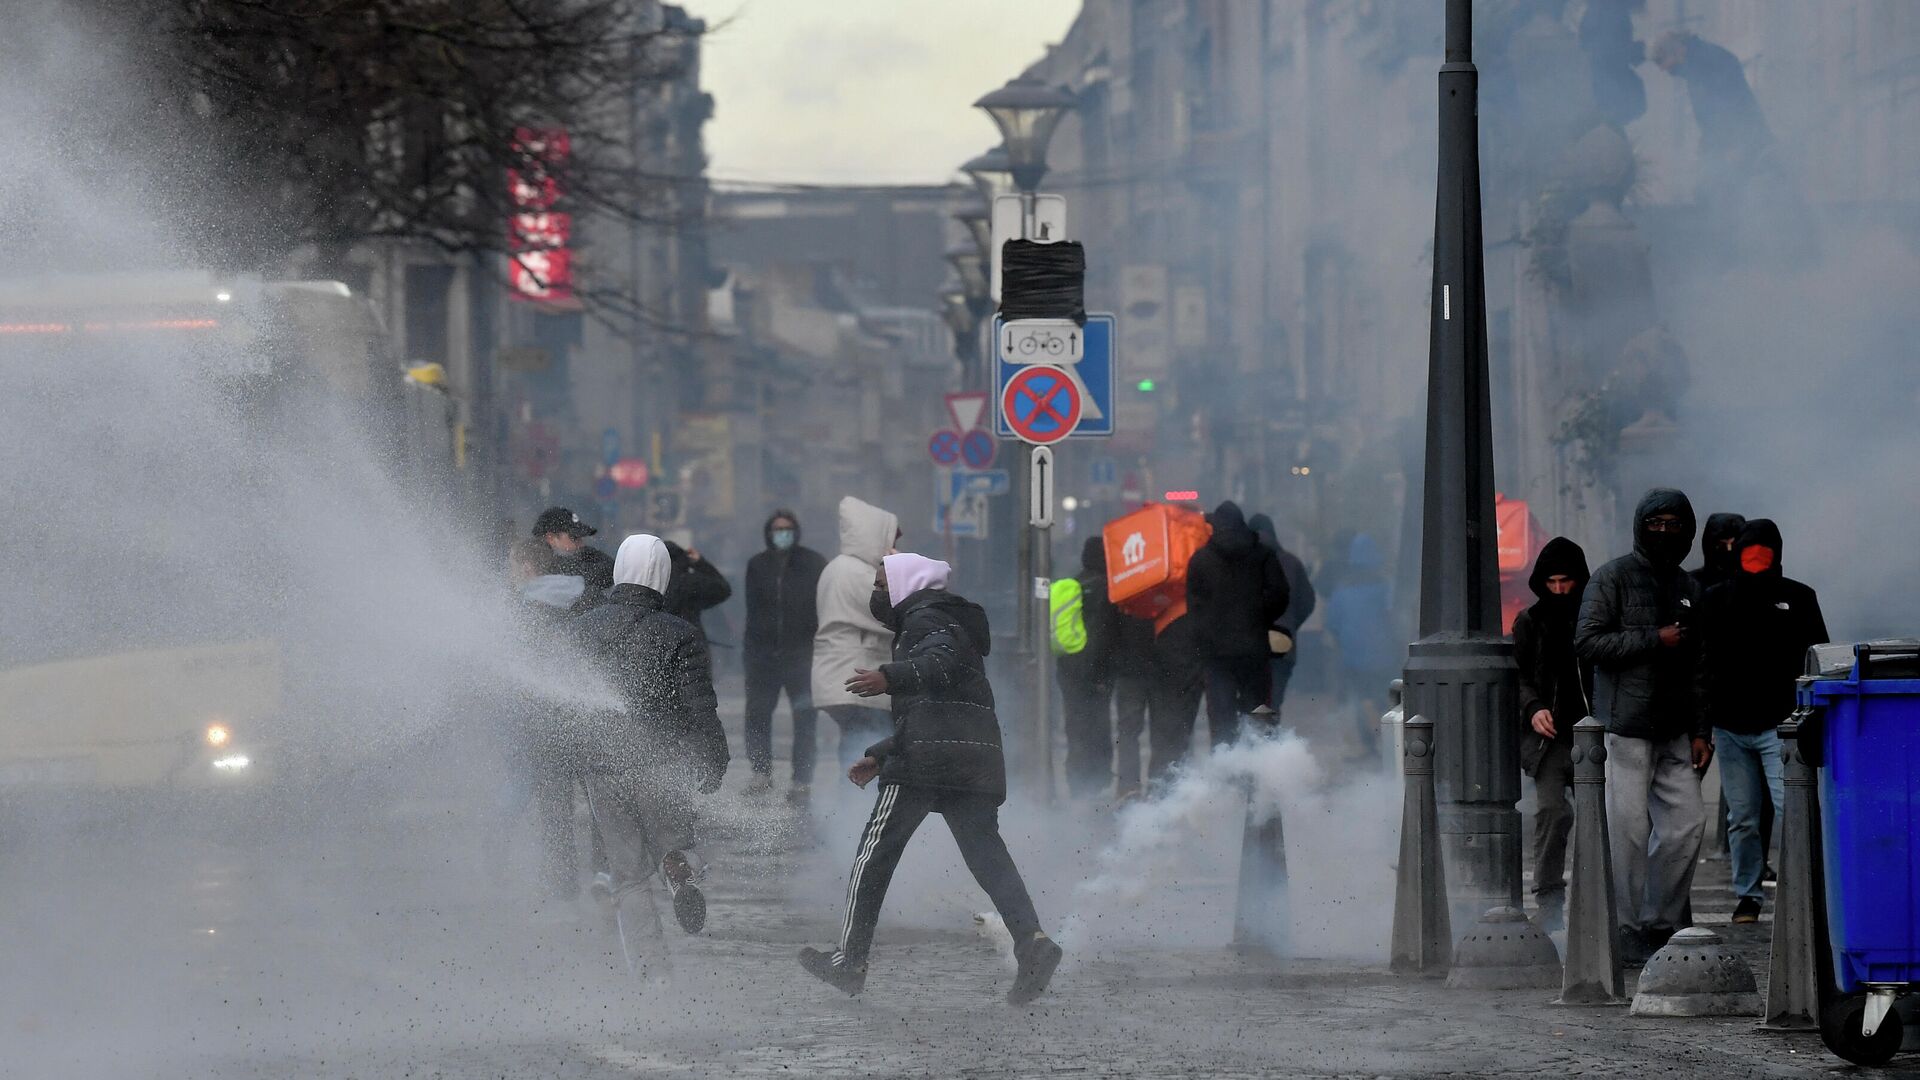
{"points": [[1096, 372]]}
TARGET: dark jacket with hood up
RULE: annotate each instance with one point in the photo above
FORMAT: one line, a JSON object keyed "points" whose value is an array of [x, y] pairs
{"points": [[1756, 630], [1551, 676], [782, 613], [695, 587], [1716, 563], [945, 732], [659, 664], [1300, 595], [1641, 689], [590, 563], [1094, 664], [1236, 589]]}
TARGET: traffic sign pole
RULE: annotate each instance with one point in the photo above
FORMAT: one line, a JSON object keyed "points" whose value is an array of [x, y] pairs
{"points": [[1040, 517]]}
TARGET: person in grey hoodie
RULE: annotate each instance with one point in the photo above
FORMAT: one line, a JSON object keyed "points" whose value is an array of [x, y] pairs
{"points": [[849, 637], [1638, 628]]}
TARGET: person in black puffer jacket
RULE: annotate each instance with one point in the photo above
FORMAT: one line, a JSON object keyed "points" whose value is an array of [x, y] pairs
{"points": [[1555, 689], [644, 763], [1236, 589], [1638, 627], [943, 757], [1756, 628]]}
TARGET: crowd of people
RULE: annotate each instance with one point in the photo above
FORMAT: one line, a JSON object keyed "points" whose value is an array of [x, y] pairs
{"points": [[874, 637], [1681, 667]]}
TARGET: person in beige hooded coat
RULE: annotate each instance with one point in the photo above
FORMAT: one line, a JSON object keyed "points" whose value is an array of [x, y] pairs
{"points": [[849, 636]]}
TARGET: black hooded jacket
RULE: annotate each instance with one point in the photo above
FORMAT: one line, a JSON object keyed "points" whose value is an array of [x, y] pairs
{"points": [[659, 664], [781, 587], [1716, 563], [1094, 664], [591, 563], [945, 732], [1236, 589], [1641, 689], [1551, 676], [1301, 599], [694, 587], [1756, 630]]}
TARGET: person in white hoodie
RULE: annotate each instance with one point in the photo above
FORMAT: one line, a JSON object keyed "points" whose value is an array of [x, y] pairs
{"points": [[644, 764], [850, 637]]}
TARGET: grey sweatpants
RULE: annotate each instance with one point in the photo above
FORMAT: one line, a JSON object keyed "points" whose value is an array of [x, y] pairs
{"points": [[1655, 820], [642, 815]]}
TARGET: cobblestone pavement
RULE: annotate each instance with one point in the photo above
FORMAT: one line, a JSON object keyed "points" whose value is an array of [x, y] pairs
{"points": [[379, 940]]}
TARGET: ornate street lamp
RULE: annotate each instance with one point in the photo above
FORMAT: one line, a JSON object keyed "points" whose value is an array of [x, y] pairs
{"points": [[1026, 111], [991, 173], [1461, 674], [971, 266], [979, 225], [959, 316]]}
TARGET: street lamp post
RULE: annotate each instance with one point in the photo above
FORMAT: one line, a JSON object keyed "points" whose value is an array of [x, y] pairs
{"points": [[979, 225], [1461, 672], [1027, 110], [991, 173]]}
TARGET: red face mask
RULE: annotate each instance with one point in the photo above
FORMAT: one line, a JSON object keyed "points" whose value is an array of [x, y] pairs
{"points": [[1756, 559]]}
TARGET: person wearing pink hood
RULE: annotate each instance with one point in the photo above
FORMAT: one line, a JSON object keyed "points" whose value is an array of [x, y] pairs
{"points": [[944, 758]]}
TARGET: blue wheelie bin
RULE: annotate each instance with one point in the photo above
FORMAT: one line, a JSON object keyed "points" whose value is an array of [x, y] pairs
{"points": [[1862, 701]]}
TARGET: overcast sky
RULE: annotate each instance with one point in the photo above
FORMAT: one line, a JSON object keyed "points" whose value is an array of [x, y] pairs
{"points": [[862, 91]]}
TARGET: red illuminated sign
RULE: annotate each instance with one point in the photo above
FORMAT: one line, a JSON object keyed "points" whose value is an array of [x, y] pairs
{"points": [[1182, 496], [541, 266]]}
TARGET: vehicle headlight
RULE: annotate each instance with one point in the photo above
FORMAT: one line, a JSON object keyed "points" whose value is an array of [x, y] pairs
{"points": [[218, 735]]}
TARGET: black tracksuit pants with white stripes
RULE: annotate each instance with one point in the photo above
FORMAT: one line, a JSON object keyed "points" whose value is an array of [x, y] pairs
{"points": [[975, 822]]}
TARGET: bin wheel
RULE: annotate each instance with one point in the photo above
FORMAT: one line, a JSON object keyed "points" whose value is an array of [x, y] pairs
{"points": [[1840, 1025]]}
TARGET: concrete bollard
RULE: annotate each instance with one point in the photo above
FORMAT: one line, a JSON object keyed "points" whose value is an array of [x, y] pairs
{"points": [[1695, 974], [1261, 918], [1793, 981], [1593, 975], [1504, 951], [1422, 929]]}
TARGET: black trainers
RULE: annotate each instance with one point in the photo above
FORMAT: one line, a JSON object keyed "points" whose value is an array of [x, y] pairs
{"points": [[1038, 956], [1746, 911], [689, 903], [820, 965]]}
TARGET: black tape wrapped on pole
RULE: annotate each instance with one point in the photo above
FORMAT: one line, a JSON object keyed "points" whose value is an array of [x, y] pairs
{"points": [[1043, 281]]}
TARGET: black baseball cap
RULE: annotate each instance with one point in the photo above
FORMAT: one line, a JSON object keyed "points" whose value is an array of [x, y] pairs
{"points": [[559, 519]]}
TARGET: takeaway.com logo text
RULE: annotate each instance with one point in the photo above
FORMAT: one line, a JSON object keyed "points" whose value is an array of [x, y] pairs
{"points": [[1133, 552]]}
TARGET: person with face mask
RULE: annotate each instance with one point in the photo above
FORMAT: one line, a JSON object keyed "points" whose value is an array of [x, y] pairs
{"points": [[782, 615], [943, 757], [1756, 629], [1555, 691], [1718, 563], [1638, 628], [1717, 559], [644, 764]]}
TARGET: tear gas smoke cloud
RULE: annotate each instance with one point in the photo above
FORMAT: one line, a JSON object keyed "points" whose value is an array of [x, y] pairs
{"points": [[1173, 855]]}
